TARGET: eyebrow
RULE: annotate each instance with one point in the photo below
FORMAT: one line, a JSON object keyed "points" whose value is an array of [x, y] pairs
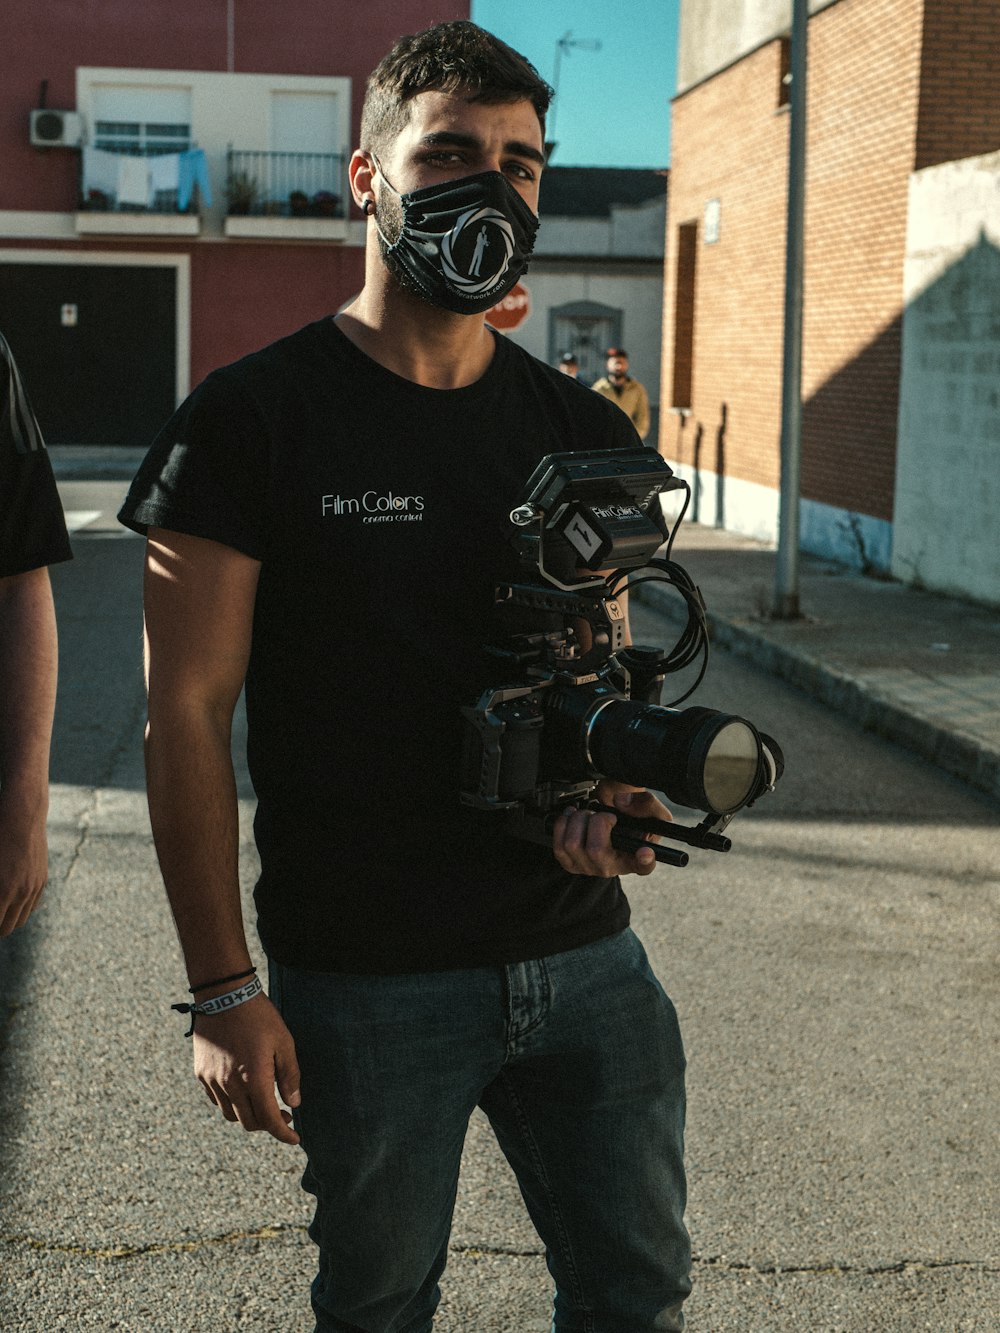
{"points": [[462, 140]]}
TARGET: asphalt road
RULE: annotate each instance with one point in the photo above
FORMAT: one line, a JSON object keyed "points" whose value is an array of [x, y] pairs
{"points": [[836, 976]]}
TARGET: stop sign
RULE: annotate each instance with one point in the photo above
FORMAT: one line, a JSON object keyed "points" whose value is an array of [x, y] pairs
{"points": [[512, 311]]}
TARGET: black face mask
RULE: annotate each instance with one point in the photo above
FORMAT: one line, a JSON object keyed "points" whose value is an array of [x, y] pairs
{"points": [[463, 244]]}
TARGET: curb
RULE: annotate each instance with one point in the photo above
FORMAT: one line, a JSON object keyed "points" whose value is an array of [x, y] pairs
{"points": [[958, 754], [72, 462]]}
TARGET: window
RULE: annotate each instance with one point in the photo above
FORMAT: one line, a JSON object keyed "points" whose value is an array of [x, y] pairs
{"points": [[684, 310], [785, 71], [141, 138], [128, 118]]}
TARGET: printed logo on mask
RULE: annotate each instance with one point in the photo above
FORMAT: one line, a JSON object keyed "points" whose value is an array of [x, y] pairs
{"points": [[477, 251]]}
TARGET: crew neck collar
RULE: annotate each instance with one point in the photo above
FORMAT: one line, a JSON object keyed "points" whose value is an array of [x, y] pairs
{"points": [[351, 351]]}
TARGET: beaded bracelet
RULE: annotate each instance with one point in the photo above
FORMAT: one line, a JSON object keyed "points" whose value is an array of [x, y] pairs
{"points": [[220, 1003]]}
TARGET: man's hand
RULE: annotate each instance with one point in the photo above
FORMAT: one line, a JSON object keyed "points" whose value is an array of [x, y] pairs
{"points": [[24, 858], [581, 839], [239, 1056]]}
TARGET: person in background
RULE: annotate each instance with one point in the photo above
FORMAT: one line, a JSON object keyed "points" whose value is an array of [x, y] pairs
{"points": [[569, 365], [32, 537], [619, 386]]}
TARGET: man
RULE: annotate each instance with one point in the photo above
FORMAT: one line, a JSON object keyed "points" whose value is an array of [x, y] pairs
{"points": [[328, 519], [569, 365], [32, 536], [619, 386]]}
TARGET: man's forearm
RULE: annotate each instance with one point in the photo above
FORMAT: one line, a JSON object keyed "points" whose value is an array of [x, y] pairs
{"points": [[194, 812], [642, 416], [28, 670]]}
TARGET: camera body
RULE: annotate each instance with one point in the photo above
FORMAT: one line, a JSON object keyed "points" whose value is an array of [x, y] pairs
{"points": [[576, 703]]}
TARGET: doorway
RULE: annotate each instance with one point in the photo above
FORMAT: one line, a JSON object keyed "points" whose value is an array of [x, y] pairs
{"points": [[587, 329], [96, 345]]}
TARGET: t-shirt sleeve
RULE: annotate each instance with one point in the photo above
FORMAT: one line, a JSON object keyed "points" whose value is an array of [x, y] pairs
{"points": [[206, 473], [32, 527]]}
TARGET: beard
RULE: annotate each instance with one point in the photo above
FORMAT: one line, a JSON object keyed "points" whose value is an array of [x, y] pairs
{"points": [[389, 221]]}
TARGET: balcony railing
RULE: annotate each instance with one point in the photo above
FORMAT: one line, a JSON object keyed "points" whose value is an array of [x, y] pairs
{"points": [[285, 185], [136, 180]]}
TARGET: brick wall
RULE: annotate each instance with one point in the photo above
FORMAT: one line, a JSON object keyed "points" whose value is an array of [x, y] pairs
{"points": [[960, 81], [730, 143], [863, 101]]}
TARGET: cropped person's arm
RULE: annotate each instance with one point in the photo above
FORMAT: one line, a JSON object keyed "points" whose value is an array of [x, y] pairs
{"points": [[28, 668], [641, 419], [199, 602]]}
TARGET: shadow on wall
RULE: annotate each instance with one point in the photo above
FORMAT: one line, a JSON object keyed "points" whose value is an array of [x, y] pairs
{"points": [[703, 467], [947, 476], [898, 445]]}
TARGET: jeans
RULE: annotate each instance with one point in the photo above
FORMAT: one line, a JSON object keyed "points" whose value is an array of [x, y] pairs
{"points": [[577, 1061]]}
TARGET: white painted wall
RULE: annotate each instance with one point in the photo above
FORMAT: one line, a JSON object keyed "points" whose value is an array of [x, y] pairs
{"points": [[633, 231], [639, 295], [947, 510], [856, 540], [716, 33]]}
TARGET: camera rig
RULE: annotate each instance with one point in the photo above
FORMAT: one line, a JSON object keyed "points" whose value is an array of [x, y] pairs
{"points": [[578, 703]]}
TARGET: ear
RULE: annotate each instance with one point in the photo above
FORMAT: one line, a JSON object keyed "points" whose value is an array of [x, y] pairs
{"points": [[361, 173]]}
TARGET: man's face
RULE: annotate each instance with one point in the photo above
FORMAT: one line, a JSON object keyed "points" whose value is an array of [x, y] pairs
{"points": [[448, 137], [617, 367]]}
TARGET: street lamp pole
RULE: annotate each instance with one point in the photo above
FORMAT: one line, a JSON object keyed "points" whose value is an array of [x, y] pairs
{"points": [[786, 591]]}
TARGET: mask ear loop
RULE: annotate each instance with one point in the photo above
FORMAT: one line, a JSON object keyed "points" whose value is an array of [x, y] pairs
{"points": [[373, 212]]}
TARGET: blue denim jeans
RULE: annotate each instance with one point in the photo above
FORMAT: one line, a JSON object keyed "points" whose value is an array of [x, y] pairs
{"points": [[577, 1061]]}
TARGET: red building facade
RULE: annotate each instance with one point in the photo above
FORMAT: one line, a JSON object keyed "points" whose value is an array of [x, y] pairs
{"points": [[109, 295]]}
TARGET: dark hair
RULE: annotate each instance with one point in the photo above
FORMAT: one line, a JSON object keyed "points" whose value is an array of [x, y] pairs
{"points": [[617, 351], [448, 58], [568, 358]]}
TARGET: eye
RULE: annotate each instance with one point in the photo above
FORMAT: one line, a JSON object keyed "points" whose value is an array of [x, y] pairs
{"points": [[520, 171]]}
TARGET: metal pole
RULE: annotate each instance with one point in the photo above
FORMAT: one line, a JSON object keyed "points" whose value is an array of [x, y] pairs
{"points": [[786, 590], [563, 47]]}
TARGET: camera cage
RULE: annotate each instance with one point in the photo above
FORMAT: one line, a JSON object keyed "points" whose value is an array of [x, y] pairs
{"points": [[585, 522]]}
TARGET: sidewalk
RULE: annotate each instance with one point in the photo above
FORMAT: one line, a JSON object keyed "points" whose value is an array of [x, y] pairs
{"points": [[916, 667]]}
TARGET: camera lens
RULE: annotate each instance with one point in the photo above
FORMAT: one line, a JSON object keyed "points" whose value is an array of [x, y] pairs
{"points": [[697, 757]]}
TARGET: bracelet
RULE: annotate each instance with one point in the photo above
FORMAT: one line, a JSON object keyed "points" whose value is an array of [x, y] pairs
{"points": [[220, 981], [220, 1003]]}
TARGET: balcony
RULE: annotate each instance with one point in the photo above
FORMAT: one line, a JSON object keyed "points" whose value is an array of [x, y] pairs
{"points": [[286, 196], [141, 194]]}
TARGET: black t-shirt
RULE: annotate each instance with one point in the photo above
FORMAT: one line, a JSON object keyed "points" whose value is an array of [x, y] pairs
{"points": [[32, 528], [379, 510]]}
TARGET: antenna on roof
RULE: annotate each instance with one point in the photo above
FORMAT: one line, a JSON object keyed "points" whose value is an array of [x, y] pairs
{"points": [[564, 45]]}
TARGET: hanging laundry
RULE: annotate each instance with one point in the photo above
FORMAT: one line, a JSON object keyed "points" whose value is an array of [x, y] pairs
{"points": [[193, 171], [164, 172], [100, 171], [133, 181]]}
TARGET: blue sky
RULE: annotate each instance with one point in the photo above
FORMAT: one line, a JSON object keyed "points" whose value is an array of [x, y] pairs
{"points": [[614, 104]]}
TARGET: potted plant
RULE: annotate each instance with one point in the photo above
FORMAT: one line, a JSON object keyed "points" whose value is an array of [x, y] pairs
{"points": [[241, 193], [325, 204]]}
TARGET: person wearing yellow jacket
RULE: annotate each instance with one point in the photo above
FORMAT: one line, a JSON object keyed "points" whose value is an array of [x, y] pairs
{"points": [[619, 386]]}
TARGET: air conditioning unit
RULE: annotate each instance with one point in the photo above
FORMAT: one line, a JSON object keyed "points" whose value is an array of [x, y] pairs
{"points": [[56, 129]]}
